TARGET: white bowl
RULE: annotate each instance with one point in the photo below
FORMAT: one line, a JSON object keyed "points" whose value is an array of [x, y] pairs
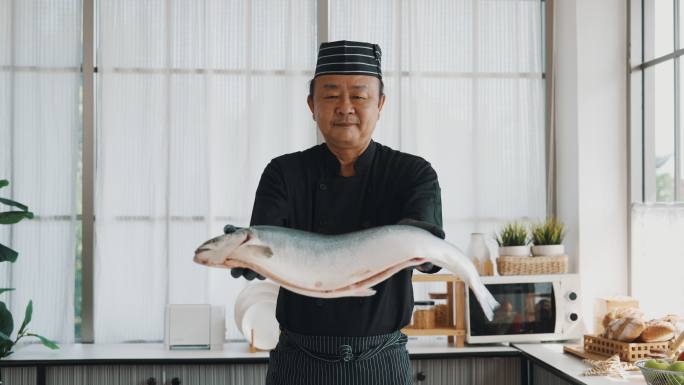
{"points": [[261, 318]]}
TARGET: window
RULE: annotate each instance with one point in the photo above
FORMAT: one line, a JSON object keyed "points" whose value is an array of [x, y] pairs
{"points": [[656, 101], [192, 99], [657, 189]]}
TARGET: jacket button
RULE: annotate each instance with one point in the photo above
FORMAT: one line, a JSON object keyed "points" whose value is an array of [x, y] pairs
{"points": [[323, 186]]}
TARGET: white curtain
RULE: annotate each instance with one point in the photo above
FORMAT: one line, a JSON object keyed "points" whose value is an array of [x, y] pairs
{"points": [[657, 257], [40, 130], [465, 91], [194, 99]]}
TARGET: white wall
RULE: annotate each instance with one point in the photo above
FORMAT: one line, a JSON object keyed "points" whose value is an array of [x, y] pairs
{"points": [[592, 143]]}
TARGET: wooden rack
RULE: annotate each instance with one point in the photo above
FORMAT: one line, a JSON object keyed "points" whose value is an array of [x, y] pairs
{"points": [[455, 296]]}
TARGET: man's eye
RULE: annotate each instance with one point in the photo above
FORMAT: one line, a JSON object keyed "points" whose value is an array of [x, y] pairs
{"points": [[330, 97], [359, 97]]}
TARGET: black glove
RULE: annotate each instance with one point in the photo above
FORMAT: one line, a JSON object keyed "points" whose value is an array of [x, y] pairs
{"points": [[426, 267], [238, 272], [249, 274]]}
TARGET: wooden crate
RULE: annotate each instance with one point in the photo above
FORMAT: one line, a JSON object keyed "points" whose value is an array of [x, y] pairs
{"points": [[455, 296], [628, 351]]}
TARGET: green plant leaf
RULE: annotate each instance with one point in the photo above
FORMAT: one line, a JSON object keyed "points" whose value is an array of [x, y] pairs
{"points": [[7, 254], [3, 183], [12, 203], [6, 320], [6, 289], [6, 348], [12, 217], [49, 343], [27, 317], [513, 234], [4, 337]]}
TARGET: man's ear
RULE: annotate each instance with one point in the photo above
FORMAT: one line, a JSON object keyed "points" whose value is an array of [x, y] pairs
{"points": [[381, 103], [310, 102]]}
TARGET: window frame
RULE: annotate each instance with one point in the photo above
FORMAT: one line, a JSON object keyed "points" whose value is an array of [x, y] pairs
{"points": [[641, 101]]}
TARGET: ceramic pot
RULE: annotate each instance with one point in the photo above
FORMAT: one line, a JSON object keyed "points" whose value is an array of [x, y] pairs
{"points": [[514, 251], [548, 250]]}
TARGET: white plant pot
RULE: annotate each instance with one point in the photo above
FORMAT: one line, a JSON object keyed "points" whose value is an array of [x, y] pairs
{"points": [[514, 251], [548, 250]]}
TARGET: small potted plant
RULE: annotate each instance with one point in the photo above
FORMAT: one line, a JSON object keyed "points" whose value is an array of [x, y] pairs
{"points": [[513, 240], [547, 238]]}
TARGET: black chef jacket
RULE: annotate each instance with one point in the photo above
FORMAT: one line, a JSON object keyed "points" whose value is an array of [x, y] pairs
{"points": [[304, 190]]}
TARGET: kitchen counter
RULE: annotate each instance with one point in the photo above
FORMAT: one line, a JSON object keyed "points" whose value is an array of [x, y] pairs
{"points": [[524, 364], [568, 367], [233, 352]]}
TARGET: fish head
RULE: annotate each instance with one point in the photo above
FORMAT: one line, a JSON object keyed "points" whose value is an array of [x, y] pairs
{"points": [[218, 250]]}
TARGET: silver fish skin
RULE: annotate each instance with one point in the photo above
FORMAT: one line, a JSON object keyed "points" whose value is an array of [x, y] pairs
{"points": [[346, 265]]}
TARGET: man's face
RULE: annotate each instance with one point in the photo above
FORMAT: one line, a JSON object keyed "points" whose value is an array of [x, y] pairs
{"points": [[346, 108]]}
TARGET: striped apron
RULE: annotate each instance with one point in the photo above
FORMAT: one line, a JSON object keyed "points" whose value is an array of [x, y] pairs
{"points": [[375, 360]]}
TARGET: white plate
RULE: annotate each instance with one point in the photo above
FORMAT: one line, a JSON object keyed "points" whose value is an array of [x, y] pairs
{"points": [[261, 317], [252, 293], [248, 302]]}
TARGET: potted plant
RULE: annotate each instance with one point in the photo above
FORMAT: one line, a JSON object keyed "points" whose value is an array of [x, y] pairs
{"points": [[513, 240], [9, 255], [547, 238]]}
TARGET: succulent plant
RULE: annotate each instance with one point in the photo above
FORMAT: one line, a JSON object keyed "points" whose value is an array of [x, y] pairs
{"points": [[513, 234], [550, 232]]}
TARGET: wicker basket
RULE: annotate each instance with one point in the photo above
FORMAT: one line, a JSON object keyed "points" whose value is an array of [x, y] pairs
{"points": [[659, 377], [532, 265], [628, 351]]}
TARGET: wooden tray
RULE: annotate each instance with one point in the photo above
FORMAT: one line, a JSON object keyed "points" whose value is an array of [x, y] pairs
{"points": [[578, 350]]}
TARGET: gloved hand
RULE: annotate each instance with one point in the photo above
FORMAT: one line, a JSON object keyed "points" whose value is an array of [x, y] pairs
{"points": [[249, 274], [238, 272], [425, 267]]}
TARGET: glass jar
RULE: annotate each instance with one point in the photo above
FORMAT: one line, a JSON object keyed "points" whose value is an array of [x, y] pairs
{"points": [[424, 314]]}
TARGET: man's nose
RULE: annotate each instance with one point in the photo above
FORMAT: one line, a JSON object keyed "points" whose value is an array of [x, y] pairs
{"points": [[345, 106]]}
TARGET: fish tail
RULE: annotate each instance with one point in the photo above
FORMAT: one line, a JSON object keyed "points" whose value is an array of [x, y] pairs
{"points": [[457, 263], [485, 298]]}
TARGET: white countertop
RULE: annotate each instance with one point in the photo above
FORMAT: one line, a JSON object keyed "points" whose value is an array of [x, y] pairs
{"points": [[552, 354], [233, 351]]}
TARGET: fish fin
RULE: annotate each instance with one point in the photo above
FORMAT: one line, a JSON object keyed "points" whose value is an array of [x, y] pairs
{"points": [[259, 250]]}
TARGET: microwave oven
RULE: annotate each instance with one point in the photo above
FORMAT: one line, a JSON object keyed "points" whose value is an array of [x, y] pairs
{"points": [[532, 308]]}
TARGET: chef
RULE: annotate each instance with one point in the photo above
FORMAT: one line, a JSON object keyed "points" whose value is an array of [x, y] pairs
{"points": [[346, 184]]}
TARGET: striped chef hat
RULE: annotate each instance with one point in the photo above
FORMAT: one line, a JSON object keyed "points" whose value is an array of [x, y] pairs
{"points": [[349, 58]]}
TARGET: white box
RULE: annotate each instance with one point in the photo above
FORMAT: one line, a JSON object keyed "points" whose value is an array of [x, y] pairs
{"points": [[197, 326]]}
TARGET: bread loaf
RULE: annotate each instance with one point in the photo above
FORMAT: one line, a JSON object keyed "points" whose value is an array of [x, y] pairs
{"points": [[674, 319], [625, 329], [658, 331], [625, 312]]}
